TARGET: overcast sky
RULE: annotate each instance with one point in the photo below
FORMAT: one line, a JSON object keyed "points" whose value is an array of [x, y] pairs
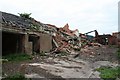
{"points": [[84, 15]]}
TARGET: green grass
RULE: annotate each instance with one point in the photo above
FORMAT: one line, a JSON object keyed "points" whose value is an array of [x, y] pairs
{"points": [[16, 76], [17, 57], [108, 73]]}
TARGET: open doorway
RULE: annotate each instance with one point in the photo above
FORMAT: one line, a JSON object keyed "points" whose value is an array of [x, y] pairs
{"points": [[11, 43], [35, 42]]}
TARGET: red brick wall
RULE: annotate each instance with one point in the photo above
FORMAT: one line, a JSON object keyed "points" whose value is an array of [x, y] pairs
{"points": [[112, 40]]}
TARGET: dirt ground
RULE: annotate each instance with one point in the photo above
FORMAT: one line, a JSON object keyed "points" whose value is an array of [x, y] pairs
{"points": [[103, 53], [65, 66]]}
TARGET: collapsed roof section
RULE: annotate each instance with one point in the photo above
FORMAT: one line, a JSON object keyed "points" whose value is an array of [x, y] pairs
{"points": [[14, 21]]}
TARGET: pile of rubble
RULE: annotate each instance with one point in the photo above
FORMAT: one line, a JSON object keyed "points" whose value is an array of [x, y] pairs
{"points": [[65, 39]]}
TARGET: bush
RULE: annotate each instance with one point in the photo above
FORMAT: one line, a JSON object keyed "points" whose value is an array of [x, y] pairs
{"points": [[25, 15]]}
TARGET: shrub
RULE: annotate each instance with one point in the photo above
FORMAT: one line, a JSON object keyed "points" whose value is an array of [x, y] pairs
{"points": [[25, 15]]}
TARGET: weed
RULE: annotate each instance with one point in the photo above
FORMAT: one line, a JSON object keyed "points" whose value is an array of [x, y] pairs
{"points": [[34, 27]]}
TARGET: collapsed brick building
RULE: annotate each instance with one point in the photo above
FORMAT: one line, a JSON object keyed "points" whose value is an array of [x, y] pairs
{"points": [[108, 39], [21, 35], [105, 39], [26, 35]]}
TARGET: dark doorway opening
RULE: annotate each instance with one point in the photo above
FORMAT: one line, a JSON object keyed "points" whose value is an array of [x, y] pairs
{"points": [[11, 43], [35, 42]]}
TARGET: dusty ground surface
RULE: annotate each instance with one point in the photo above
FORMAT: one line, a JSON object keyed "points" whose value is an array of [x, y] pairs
{"points": [[61, 67], [103, 53]]}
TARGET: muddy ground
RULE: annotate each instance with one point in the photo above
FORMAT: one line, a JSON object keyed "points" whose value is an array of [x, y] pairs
{"points": [[66, 67]]}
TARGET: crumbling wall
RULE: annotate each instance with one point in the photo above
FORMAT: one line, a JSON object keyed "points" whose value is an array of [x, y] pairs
{"points": [[15, 43], [112, 40], [27, 46], [34, 39], [45, 42]]}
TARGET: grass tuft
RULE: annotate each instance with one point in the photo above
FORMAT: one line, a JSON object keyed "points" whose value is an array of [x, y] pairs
{"points": [[16, 76], [17, 57], [109, 73]]}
